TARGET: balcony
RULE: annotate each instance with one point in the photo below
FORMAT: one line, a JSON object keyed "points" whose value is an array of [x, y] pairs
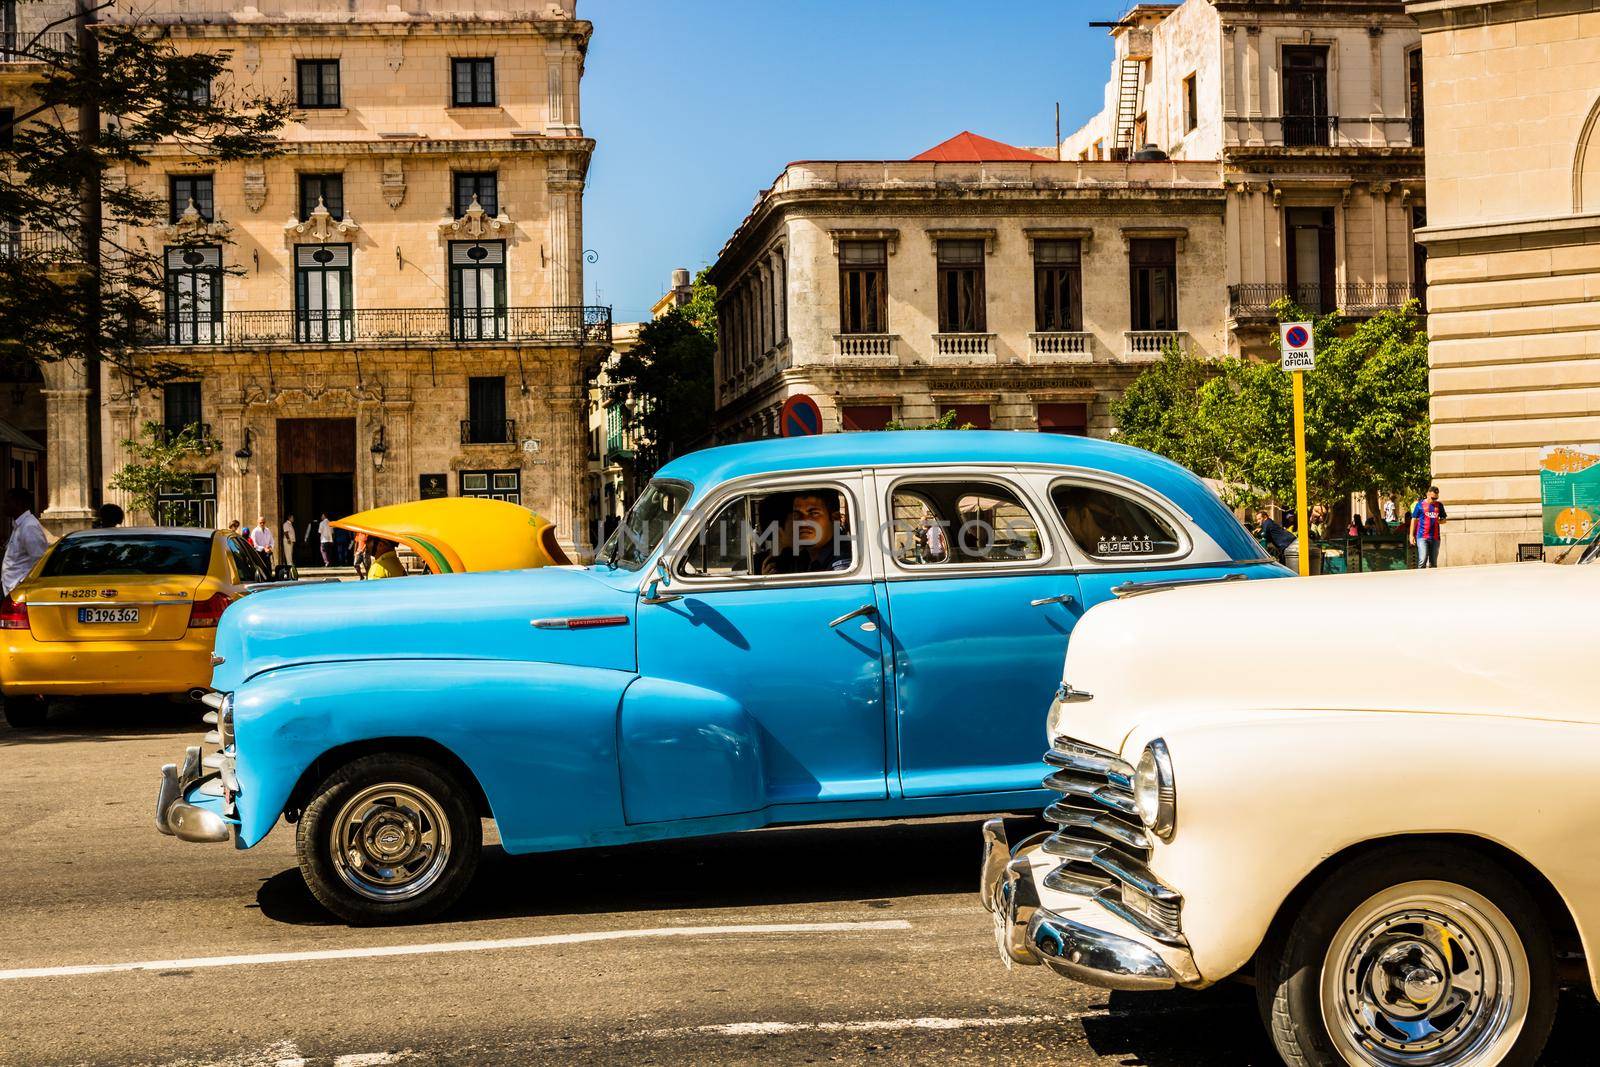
{"points": [[961, 347], [1310, 131], [385, 327], [1061, 346], [1360, 300], [207, 441], [1416, 131], [868, 346], [488, 431], [1148, 345], [27, 49], [52, 246]]}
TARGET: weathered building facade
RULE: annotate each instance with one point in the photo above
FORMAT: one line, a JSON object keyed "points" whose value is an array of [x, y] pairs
{"points": [[1017, 291], [392, 307], [1513, 240], [1313, 111]]}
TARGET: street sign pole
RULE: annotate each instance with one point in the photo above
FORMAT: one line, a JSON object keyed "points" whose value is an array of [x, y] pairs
{"points": [[1302, 527]]}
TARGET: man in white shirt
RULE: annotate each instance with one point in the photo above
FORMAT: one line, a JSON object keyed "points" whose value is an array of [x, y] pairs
{"points": [[28, 540], [325, 535], [289, 539], [261, 537]]}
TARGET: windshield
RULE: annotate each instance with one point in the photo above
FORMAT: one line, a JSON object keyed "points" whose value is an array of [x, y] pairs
{"points": [[94, 555], [645, 525]]}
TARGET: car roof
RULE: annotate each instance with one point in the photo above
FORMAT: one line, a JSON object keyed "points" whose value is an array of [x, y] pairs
{"points": [[898, 447], [144, 531]]}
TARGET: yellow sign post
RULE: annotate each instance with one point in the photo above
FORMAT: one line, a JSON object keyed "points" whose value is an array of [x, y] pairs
{"points": [[1299, 354]]}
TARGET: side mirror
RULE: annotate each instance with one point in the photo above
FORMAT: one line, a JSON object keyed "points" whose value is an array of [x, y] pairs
{"points": [[652, 589]]}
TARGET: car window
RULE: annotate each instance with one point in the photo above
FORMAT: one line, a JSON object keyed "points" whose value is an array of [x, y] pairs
{"points": [[93, 555], [796, 530], [645, 525], [960, 521], [247, 561], [1108, 525]]}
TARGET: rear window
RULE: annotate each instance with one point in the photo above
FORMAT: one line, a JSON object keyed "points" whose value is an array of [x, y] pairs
{"points": [[91, 555]]}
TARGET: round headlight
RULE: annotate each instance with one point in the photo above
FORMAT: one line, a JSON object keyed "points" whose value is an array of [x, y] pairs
{"points": [[1154, 793]]}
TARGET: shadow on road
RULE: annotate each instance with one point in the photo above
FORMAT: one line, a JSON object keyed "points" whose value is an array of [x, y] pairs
{"points": [[873, 864], [110, 719]]}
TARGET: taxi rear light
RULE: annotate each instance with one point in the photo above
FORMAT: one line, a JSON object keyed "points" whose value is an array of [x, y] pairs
{"points": [[13, 616], [205, 613]]}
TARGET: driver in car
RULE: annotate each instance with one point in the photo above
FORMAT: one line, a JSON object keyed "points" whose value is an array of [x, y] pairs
{"points": [[813, 539]]}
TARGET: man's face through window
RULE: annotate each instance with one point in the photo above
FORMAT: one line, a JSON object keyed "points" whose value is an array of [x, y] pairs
{"points": [[812, 521]]}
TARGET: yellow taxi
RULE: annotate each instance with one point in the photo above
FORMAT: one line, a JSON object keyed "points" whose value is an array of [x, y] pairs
{"points": [[120, 611]]}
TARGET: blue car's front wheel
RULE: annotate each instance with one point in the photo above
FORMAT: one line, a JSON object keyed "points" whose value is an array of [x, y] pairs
{"points": [[389, 838]]}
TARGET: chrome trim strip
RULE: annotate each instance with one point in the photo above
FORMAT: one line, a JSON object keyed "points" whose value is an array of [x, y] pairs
{"points": [[1096, 957], [1137, 921], [1132, 589], [1068, 695], [1112, 768], [1137, 875], [1062, 783], [1103, 824], [103, 603], [580, 622]]}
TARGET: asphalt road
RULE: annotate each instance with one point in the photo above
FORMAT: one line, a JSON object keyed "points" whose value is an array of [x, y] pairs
{"points": [[813, 945]]}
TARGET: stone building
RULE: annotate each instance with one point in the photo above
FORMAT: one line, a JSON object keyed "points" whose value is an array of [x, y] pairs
{"points": [[1018, 291], [1313, 111], [1513, 240], [393, 306]]}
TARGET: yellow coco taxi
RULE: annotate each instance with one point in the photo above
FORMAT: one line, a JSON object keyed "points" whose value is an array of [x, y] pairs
{"points": [[461, 533], [123, 611]]}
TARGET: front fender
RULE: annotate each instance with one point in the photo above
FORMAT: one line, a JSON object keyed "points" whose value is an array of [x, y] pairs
{"points": [[540, 738], [1264, 798]]}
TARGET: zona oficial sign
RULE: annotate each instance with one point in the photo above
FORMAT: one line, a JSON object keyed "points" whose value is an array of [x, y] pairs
{"points": [[800, 417], [1298, 350]]}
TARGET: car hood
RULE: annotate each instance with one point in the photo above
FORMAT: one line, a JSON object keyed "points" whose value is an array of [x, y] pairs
{"points": [[510, 615], [1505, 640]]}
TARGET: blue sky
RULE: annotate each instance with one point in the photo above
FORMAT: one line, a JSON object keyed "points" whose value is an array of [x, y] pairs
{"points": [[697, 104]]}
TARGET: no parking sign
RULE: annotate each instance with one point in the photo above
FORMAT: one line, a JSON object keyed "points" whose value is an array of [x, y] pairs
{"points": [[1299, 350], [800, 417]]}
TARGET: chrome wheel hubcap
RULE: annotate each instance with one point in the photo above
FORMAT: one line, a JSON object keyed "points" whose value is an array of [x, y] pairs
{"points": [[390, 842], [1423, 974]]}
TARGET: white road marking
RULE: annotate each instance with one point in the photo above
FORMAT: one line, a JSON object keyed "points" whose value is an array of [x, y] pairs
{"points": [[367, 1059], [493, 945], [859, 1026]]}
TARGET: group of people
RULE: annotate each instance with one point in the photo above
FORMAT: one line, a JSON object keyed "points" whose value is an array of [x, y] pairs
{"points": [[1423, 527], [372, 557]]}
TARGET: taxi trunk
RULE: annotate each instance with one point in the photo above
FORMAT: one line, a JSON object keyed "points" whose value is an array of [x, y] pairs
{"points": [[130, 607]]}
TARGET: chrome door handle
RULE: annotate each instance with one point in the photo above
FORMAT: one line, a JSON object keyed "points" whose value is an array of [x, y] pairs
{"points": [[1061, 598], [865, 609]]}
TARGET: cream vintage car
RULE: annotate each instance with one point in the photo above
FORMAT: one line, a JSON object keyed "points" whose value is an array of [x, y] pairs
{"points": [[1378, 795]]}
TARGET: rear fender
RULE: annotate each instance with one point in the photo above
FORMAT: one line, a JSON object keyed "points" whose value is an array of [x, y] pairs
{"points": [[540, 738]]}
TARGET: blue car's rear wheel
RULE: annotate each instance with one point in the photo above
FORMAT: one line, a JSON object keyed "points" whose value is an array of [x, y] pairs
{"points": [[389, 838]]}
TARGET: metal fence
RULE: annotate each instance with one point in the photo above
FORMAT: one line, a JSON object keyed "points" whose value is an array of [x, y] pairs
{"points": [[570, 324], [1355, 299]]}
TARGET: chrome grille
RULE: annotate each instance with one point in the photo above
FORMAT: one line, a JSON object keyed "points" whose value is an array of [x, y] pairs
{"points": [[1103, 846]]}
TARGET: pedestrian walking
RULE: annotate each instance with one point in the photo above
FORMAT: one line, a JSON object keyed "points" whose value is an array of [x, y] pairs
{"points": [[1390, 517], [289, 540], [261, 537], [325, 539], [1279, 540], [233, 527], [27, 542], [1427, 517]]}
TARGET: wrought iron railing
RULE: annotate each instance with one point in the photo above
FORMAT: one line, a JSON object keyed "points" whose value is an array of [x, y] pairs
{"points": [[488, 431], [16, 47], [1310, 130], [53, 245], [1257, 300], [205, 441], [1416, 131], [571, 325]]}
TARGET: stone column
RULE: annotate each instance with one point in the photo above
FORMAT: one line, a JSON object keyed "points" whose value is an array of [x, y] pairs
{"points": [[569, 499], [66, 400], [1380, 232], [566, 235]]}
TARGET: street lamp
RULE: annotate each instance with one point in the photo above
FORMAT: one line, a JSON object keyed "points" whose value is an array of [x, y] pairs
{"points": [[378, 450], [241, 457]]}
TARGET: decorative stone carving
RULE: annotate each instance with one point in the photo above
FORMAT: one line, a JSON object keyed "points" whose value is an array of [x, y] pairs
{"points": [[255, 186], [395, 52], [250, 57], [191, 225], [475, 224], [394, 183], [320, 227]]}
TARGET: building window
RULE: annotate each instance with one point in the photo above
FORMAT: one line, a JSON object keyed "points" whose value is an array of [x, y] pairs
{"points": [[1309, 252], [482, 185], [961, 296], [477, 290], [486, 412], [1057, 286], [1070, 419], [199, 95], [8, 118], [973, 415], [863, 287], [322, 298], [193, 295], [865, 416], [1100, 149], [328, 188], [180, 407], [493, 485], [1153, 267], [1191, 104], [1414, 81], [184, 188], [194, 505], [1419, 257], [1305, 95], [318, 81], [472, 82]]}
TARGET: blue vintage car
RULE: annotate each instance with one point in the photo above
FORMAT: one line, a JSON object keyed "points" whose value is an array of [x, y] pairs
{"points": [[841, 627]]}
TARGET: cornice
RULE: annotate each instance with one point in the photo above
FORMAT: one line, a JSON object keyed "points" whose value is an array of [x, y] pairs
{"points": [[366, 25], [582, 147], [1434, 15]]}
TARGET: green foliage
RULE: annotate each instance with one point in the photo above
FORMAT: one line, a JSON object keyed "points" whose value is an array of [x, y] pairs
{"points": [[156, 465], [664, 385], [1232, 420], [947, 421], [56, 302]]}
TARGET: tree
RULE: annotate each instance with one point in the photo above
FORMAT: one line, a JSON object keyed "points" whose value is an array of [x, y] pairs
{"points": [[1232, 420], [664, 384], [947, 421], [75, 283], [156, 465]]}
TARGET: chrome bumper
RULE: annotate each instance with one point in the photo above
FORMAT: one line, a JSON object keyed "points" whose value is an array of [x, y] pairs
{"points": [[175, 816], [1097, 949]]}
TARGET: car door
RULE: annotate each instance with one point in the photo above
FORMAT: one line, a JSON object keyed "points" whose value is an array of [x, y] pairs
{"points": [[783, 649], [981, 601]]}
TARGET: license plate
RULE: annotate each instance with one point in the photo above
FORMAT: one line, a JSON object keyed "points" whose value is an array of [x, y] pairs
{"points": [[94, 615]]}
